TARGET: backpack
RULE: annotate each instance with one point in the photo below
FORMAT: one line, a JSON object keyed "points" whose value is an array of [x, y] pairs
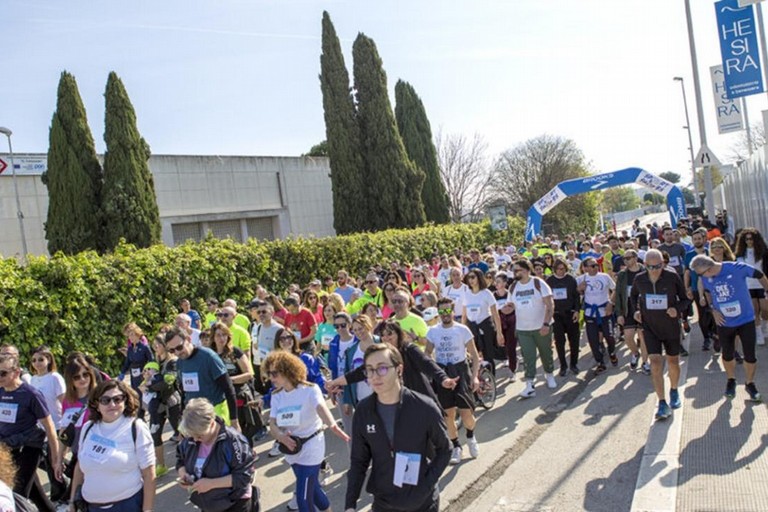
{"points": [[23, 504], [536, 284], [133, 431]]}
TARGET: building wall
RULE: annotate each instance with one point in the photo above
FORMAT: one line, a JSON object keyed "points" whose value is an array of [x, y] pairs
{"points": [[237, 196]]}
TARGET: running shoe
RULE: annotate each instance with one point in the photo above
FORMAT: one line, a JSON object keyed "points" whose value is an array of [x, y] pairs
{"points": [[474, 449], [294, 503], [705, 346], [325, 475], [528, 391], [633, 361], [600, 368], [759, 338], [664, 411], [275, 451], [646, 368], [737, 357], [575, 369], [551, 382], [754, 394], [513, 377], [175, 438], [686, 326], [160, 470], [563, 371], [684, 352], [730, 388], [674, 399], [455, 455], [614, 360]]}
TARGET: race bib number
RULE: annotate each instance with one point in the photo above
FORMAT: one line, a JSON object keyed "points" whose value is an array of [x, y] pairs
{"points": [[325, 341], [190, 382], [629, 291], [148, 397], [135, 372], [731, 309], [8, 412], [560, 293], [69, 414], [289, 416], [656, 302], [500, 303], [674, 261], [99, 448], [473, 309], [406, 469], [257, 356]]}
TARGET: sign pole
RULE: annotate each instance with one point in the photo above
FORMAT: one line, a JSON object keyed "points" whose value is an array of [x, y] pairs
{"points": [[763, 48], [707, 171]]}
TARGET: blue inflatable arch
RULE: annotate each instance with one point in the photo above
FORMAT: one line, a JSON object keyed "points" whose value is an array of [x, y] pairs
{"points": [[568, 188]]}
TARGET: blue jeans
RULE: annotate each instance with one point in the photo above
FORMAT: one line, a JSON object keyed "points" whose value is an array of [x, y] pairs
{"points": [[309, 493]]}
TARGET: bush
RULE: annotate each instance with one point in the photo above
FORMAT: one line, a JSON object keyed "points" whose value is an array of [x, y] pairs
{"points": [[81, 302]]}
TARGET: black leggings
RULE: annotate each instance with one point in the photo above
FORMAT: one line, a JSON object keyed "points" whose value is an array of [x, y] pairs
{"points": [[157, 422], [485, 340], [27, 484], [564, 325], [706, 321], [746, 332], [593, 336]]}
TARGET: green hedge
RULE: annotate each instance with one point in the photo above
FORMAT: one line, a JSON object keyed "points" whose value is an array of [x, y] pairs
{"points": [[81, 302]]}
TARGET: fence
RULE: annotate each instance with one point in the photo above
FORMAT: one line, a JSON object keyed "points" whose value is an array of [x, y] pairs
{"points": [[744, 193]]}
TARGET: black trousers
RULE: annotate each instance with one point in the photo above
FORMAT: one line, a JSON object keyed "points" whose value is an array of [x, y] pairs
{"points": [[485, 340], [706, 320], [27, 484], [593, 336], [565, 326]]}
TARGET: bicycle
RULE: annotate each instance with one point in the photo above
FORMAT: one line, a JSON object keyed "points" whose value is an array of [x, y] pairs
{"points": [[485, 396]]}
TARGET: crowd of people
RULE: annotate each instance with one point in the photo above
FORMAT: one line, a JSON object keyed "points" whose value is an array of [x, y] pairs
{"points": [[386, 361]]}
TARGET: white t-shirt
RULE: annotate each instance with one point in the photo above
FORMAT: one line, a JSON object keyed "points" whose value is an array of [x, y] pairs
{"points": [[7, 502], [364, 390], [195, 337], [457, 296], [529, 306], [450, 343], [51, 385], [296, 412], [342, 356], [443, 276], [599, 288], [265, 340], [478, 305], [749, 259], [111, 462], [502, 259]]}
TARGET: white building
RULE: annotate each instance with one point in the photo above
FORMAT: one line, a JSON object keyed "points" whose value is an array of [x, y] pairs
{"points": [[231, 196]]}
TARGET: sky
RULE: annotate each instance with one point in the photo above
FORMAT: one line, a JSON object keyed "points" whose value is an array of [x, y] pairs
{"points": [[227, 77]]}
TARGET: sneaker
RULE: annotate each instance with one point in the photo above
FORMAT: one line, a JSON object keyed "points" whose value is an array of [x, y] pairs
{"points": [[674, 399], [614, 359], [513, 377], [551, 382], [175, 438], [686, 326], [730, 388], [705, 346], [575, 369], [600, 368], [754, 395], [563, 371], [160, 471], [455, 455], [646, 368], [633, 361], [737, 357], [664, 411], [275, 452], [764, 327], [760, 338], [528, 391], [325, 475], [684, 352], [294, 503], [474, 449], [62, 506]]}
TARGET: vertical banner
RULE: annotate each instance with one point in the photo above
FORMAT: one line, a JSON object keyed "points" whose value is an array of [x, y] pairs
{"points": [[729, 115], [498, 216], [737, 32]]}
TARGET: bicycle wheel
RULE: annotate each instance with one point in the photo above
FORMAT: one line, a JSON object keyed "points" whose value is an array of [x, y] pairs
{"points": [[486, 395]]}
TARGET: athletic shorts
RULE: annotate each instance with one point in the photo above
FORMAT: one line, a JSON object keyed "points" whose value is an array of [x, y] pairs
{"points": [[654, 344], [461, 396], [757, 293]]}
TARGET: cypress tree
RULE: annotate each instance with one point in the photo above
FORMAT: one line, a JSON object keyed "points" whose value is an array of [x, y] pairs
{"points": [[342, 135], [416, 133], [130, 204], [73, 178], [394, 181]]}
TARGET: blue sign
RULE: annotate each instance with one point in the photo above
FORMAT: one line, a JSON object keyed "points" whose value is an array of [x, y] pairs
{"points": [[737, 31]]}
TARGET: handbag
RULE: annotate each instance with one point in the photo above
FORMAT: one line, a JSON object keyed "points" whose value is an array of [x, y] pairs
{"points": [[299, 444], [67, 436]]}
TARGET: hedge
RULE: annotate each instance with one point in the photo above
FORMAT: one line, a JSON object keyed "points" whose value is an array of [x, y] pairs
{"points": [[81, 302]]}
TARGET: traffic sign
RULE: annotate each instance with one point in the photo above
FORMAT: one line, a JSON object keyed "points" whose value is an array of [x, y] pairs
{"points": [[706, 158], [3, 165]]}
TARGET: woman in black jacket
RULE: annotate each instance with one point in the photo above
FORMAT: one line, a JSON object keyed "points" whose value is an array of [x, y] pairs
{"points": [[566, 318], [214, 461]]}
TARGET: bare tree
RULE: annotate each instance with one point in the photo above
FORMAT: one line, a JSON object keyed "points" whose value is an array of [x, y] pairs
{"points": [[739, 150], [466, 173]]}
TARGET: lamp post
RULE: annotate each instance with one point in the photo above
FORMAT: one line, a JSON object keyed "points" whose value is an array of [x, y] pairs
{"points": [[690, 139], [7, 132]]}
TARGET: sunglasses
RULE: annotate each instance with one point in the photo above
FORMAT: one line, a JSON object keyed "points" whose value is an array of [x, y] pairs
{"points": [[591, 266], [173, 350], [399, 301], [717, 247], [371, 282], [340, 326], [286, 337], [379, 370], [471, 276], [5, 373], [222, 315], [117, 400], [445, 311], [81, 376], [262, 312], [654, 267], [748, 238], [39, 360]]}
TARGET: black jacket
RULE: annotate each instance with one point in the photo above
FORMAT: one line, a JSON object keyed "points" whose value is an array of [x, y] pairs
{"points": [[572, 303], [419, 428], [230, 454], [656, 320]]}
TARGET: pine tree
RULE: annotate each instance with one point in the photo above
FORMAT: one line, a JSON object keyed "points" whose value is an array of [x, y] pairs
{"points": [[342, 134], [74, 176], [416, 133], [395, 181], [130, 204]]}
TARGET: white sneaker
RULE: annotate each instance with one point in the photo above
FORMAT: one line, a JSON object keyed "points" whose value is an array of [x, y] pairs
{"points": [[474, 449], [551, 382], [325, 475], [455, 455], [764, 327], [294, 503], [513, 377], [529, 391], [760, 336], [275, 451]]}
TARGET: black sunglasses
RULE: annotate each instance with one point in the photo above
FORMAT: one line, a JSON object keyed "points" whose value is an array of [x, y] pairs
{"points": [[5, 373], [173, 350], [340, 326], [117, 399]]}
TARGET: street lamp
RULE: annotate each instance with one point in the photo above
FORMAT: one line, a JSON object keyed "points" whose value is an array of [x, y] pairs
{"points": [[7, 132], [690, 139]]}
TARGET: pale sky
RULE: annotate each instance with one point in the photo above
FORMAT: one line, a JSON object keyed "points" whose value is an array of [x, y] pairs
{"points": [[241, 77]]}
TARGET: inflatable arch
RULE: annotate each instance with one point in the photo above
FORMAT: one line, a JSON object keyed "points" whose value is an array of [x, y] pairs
{"points": [[568, 188]]}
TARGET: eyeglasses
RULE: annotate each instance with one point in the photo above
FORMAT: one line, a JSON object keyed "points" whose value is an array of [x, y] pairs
{"points": [[39, 360], [116, 399], [81, 376], [445, 311], [717, 247], [286, 337], [371, 282], [5, 373], [399, 301], [340, 326], [262, 312], [748, 238], [654, 267], [591, 266], [222, 315], [273, 373], [471, 276], [173, 350], [379, 370]]}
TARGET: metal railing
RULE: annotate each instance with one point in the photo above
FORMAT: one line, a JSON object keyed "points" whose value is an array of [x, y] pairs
{"points": [[744, 193]]}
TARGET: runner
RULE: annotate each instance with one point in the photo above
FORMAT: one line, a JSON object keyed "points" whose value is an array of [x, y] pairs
{"points": [[659, 300], [598, 308]]}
